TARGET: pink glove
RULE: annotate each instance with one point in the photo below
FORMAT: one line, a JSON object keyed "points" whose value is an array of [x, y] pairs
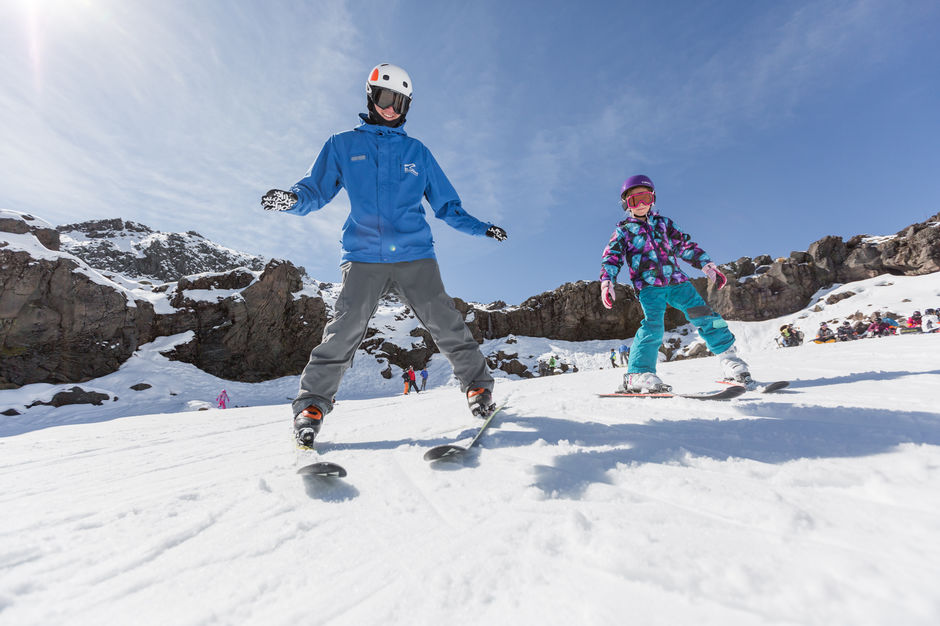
{"points": [[714, 275], [607, 294]]}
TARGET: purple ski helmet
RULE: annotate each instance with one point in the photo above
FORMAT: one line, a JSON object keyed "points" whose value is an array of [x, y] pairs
{"points": [[639, 180]]}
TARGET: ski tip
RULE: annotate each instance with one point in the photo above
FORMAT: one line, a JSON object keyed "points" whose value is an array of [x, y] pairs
{"points": [[323, 468], [445, 451], [775, 386], [733, 391]]}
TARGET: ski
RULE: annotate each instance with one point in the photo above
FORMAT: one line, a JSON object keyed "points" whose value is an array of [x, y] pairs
{"points": [[323, 468], [451, 450], [761, 387], [722, 394], [305, 454]]}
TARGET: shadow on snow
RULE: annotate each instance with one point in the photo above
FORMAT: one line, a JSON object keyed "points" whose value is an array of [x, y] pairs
{"points": [[771, 433]]}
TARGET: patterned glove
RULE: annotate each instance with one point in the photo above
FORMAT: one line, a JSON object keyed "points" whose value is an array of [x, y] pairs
{"points": [[714, 275], [278, 200], [607, 294], [496, 233]]}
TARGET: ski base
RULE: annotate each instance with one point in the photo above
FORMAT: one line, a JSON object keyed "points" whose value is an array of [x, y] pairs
{"points": [[728, 393], [323, 468], [452, 450]]}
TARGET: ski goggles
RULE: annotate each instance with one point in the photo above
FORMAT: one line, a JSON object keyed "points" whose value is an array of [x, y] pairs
{"points": [[636, 199], [384, 98]]}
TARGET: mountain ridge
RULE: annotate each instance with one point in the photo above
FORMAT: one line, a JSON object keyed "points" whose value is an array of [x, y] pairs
{"points": [[256, 319]]}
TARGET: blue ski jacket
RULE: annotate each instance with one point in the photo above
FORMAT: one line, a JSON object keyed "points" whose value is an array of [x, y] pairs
{"points": [[386, 174]]}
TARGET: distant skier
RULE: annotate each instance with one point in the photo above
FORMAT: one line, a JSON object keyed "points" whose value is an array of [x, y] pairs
{"points": [[624, 353], [790, 336], [930, 323], [222, 400], [650, 245], [387, 245], [613, 357], [824, 334], [845, 332], [878, 328], [412, 379], [424, 378]]}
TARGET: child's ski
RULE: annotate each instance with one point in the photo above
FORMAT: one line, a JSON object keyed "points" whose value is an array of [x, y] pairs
{"points": [[760, 387], [732, 391]]}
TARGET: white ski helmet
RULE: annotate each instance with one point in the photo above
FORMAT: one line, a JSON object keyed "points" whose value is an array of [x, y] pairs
{"points": [[389, 85]]}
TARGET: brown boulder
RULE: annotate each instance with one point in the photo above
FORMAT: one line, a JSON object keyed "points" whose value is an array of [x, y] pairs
{"points": [[60, 321]]}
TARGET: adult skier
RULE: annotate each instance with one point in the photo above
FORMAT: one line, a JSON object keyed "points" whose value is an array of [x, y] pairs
{"points": [[387, 245], [650, 244]]}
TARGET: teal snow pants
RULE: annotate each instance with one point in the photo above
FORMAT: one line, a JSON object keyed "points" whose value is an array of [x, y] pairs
{"points": [[710, 326]]}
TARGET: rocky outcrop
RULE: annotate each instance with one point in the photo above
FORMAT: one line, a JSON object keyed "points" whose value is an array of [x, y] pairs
{"points": [[263, 332], [22, 223], [762, 288], [133, 249], [75, 395], [61, 321], [573, 312]]}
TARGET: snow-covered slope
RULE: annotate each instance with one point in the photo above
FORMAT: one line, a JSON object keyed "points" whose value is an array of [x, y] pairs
{"points": [[818, 505]]}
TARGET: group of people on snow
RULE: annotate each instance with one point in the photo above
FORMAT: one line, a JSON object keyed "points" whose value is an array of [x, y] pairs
{"points": [[553, 365], [411, 379], [877, 325], [622, 354]]}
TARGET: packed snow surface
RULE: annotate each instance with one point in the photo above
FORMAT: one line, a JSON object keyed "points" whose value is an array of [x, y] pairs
{"points": [[816, 505]]}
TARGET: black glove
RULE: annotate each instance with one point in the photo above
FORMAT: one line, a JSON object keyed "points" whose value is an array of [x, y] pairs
{"points": [[277, 200], [496, 233]]}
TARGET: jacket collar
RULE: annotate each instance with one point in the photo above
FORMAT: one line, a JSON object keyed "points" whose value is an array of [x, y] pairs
{"points": [[651, 217], [365, 126]]}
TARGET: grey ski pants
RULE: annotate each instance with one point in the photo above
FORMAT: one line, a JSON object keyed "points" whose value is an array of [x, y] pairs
{"points": [[419, 285]]}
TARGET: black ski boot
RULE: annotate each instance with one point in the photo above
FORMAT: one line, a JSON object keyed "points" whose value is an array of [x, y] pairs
{"points": [[481, 402], [307, 425]]}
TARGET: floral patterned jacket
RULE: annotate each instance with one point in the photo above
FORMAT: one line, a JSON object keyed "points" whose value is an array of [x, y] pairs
{"points": [[650, 248]]}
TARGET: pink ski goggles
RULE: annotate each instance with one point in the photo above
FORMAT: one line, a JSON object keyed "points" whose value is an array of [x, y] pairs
{"points": [[641, 197]]}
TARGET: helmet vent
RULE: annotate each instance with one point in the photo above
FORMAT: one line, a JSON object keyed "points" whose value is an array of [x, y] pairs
{"points": [[385, 77]]}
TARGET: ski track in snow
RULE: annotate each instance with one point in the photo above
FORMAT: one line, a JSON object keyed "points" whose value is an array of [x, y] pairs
{"points": [[816, 505]]}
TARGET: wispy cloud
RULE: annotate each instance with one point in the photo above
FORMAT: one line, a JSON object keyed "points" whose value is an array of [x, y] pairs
{"points": [[175, 113]]}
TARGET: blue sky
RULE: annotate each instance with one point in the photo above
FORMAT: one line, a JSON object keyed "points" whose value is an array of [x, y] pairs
{"points": [[765, 125]]}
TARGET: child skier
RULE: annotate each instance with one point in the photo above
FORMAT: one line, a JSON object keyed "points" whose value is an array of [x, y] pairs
{"points": [[650, 244], [387, 245]]}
